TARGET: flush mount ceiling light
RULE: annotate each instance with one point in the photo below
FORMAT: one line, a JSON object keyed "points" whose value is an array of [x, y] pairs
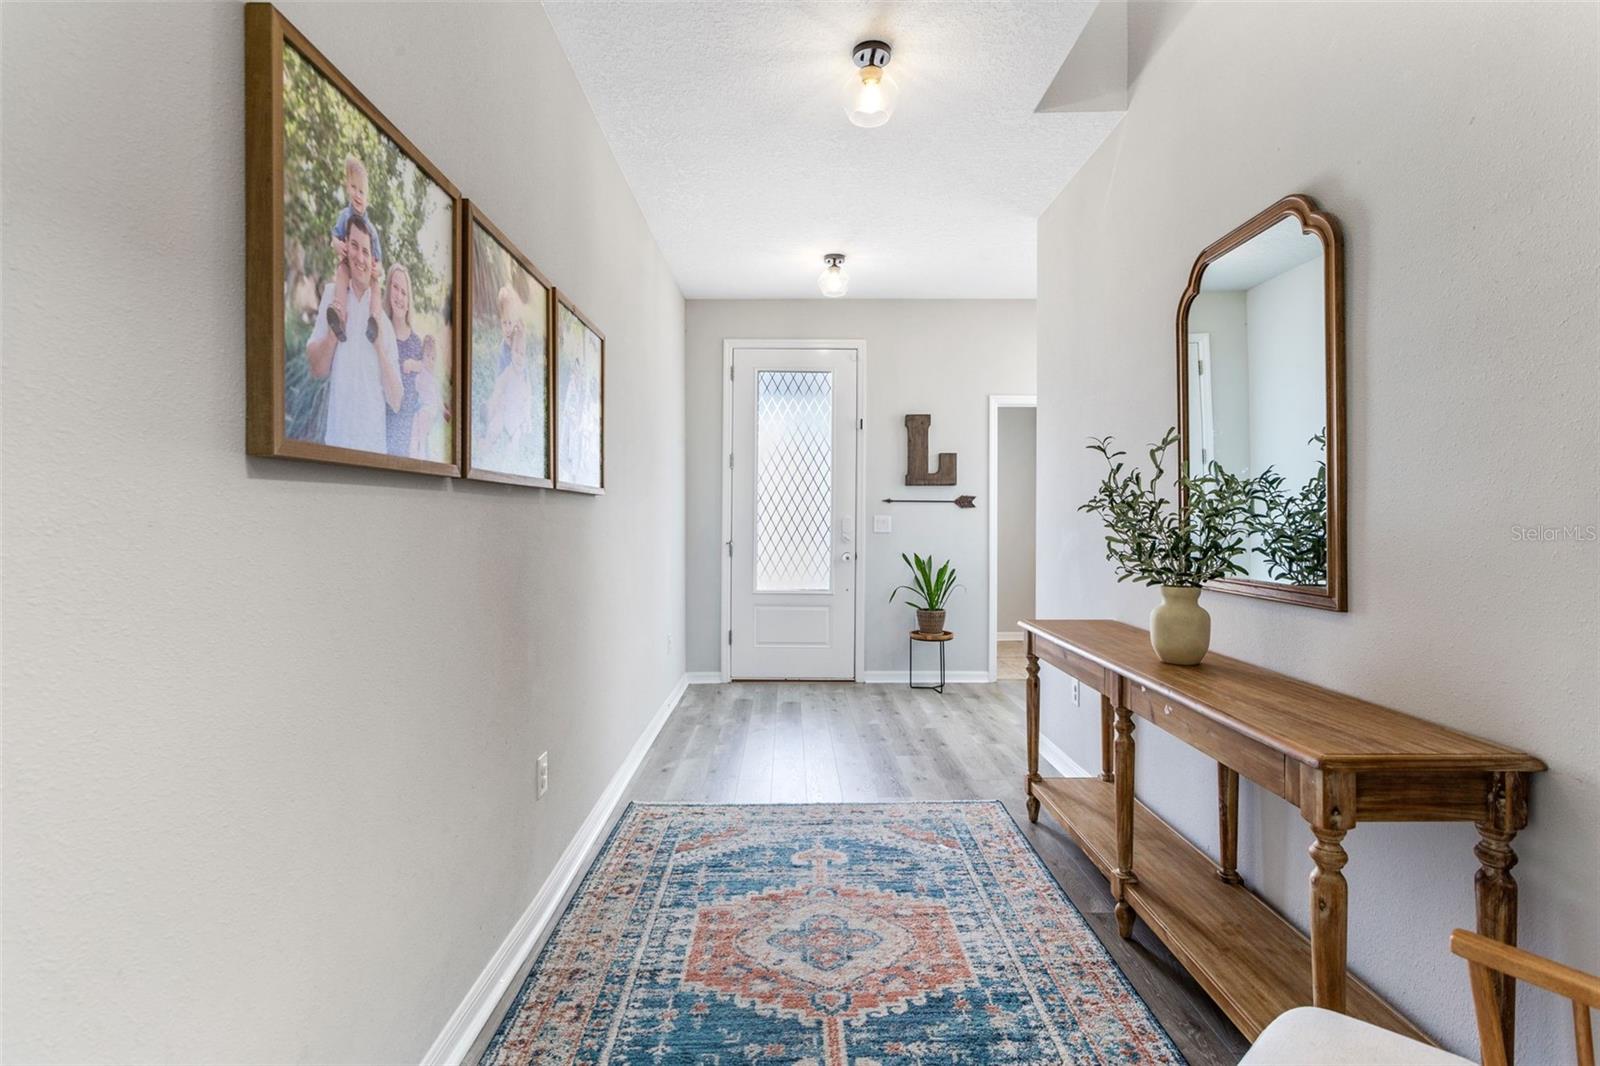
{"points": [[871, 94], [833, 281]]}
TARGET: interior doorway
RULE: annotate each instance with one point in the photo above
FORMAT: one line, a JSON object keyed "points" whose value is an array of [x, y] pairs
{"points": [[1013, 449]]}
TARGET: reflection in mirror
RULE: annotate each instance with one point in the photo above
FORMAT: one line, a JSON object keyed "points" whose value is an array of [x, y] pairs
{"points": [[1257, 392]]}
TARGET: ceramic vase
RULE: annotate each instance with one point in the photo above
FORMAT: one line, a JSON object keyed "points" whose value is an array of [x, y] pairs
{"points": [[1180, 629]]}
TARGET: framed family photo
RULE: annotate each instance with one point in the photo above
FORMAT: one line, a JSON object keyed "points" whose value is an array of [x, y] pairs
{"points": [[580, 400], [508, 371], [353, 254]]}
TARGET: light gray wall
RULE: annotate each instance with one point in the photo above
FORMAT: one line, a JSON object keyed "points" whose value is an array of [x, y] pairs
{"points": [[1014, 530], [270, 726], [938, 357], [1456, 143], [1288, 393]]}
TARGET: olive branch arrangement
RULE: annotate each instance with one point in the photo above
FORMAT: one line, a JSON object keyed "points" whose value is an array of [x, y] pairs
{"points": [[1293, 529], [1147, 536]]}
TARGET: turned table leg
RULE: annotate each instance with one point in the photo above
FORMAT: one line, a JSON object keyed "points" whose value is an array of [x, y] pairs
{"points": [[1106, 773], [1124, 875], [1496, 889], [1228, 824], [1327, 801], [1033, 731], [1329, 919]]}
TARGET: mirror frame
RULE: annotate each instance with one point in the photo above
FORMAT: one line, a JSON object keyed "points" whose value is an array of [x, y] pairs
{"points": [[1335, 595]]}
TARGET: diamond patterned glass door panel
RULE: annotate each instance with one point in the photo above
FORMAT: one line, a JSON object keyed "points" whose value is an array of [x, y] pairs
{"points": [[794, 480]]}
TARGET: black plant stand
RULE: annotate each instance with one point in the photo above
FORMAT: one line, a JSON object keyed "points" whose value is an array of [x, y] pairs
{"points": [[917, 637]]}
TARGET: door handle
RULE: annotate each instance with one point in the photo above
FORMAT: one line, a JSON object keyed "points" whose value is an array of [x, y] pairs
{"points": [[845, 557]]}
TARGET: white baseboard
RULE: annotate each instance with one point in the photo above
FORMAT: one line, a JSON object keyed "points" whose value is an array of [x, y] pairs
{"points": [[530, 930], [926, 677], [1051, 753], [1017, 636], [875, 677]]}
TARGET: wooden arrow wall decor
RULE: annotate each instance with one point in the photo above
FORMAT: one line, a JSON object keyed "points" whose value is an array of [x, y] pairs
{"points": [[963, 502], [917, 472]]}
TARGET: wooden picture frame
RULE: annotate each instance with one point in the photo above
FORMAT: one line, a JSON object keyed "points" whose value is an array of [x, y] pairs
{"points": [[271, 292], [563, 403], [477, 391], [1334, 596]]}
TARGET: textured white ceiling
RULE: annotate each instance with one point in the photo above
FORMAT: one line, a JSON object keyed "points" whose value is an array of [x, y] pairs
{"points": [[727, 120]]}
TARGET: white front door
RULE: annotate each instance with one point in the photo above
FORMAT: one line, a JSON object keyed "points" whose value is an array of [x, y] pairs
{"points": [[793, 548]]}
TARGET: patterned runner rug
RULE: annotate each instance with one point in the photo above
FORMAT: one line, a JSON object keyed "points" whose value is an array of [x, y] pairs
{"points": [[826, 934]]}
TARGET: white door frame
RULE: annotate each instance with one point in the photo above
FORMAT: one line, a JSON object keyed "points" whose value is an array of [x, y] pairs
{"points": [[1206, 439], [726, 597], [995, 404]]}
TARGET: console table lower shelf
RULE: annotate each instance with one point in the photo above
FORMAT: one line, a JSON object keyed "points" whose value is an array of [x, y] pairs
{"points": [[1251, 961]]}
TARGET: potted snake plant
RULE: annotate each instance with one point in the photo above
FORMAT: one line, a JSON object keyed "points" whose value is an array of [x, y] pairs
{"points": [[929, 590], [1151, 541]]}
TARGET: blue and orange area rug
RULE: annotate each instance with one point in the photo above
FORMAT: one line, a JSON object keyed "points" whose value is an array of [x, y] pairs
{"points": [[831, 934]]}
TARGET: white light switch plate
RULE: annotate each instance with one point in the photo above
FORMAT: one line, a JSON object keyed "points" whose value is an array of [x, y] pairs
{"points": [[882, 523]]}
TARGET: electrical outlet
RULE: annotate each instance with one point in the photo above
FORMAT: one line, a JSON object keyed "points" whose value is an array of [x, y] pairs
{"points": [[883, 523], [543, 775], [1077, 692]]}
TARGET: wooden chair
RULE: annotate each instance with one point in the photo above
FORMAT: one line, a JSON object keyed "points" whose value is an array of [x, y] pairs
{"points": [[1313, 1035], [1490, 962]]}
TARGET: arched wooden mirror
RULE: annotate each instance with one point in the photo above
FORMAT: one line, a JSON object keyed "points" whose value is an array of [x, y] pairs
{"points": [[1261, 391]]}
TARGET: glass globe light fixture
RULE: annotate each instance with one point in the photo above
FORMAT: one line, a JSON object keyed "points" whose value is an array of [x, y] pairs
{"points": [[833, 281], [871, 94]]}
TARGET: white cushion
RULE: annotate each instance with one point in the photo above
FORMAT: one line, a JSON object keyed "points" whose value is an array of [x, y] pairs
{"points": [[1311, 1036]]}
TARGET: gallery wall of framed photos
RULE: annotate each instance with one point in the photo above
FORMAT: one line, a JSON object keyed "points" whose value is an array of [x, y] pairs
{"points": [[389, 323]]}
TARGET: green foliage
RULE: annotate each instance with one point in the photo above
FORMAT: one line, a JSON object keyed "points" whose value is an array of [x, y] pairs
{"points": [[1147, 536], [482, 371], [485, 371], [1292, 528], [320, 128], [932, 587], [305, 407]]}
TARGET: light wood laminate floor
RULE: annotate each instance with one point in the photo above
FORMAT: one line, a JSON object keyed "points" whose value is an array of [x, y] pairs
{"points": [[1011, 660], [772, 742]]}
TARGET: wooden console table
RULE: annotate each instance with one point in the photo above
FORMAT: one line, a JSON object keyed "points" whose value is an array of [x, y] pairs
{"points": [[1339, 759]]}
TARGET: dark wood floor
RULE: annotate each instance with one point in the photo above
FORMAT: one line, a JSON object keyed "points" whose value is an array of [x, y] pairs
{"points": [[829, 743]]}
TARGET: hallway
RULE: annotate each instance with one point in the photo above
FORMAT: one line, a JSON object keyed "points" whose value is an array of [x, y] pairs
{"points": [[490, 381]]}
